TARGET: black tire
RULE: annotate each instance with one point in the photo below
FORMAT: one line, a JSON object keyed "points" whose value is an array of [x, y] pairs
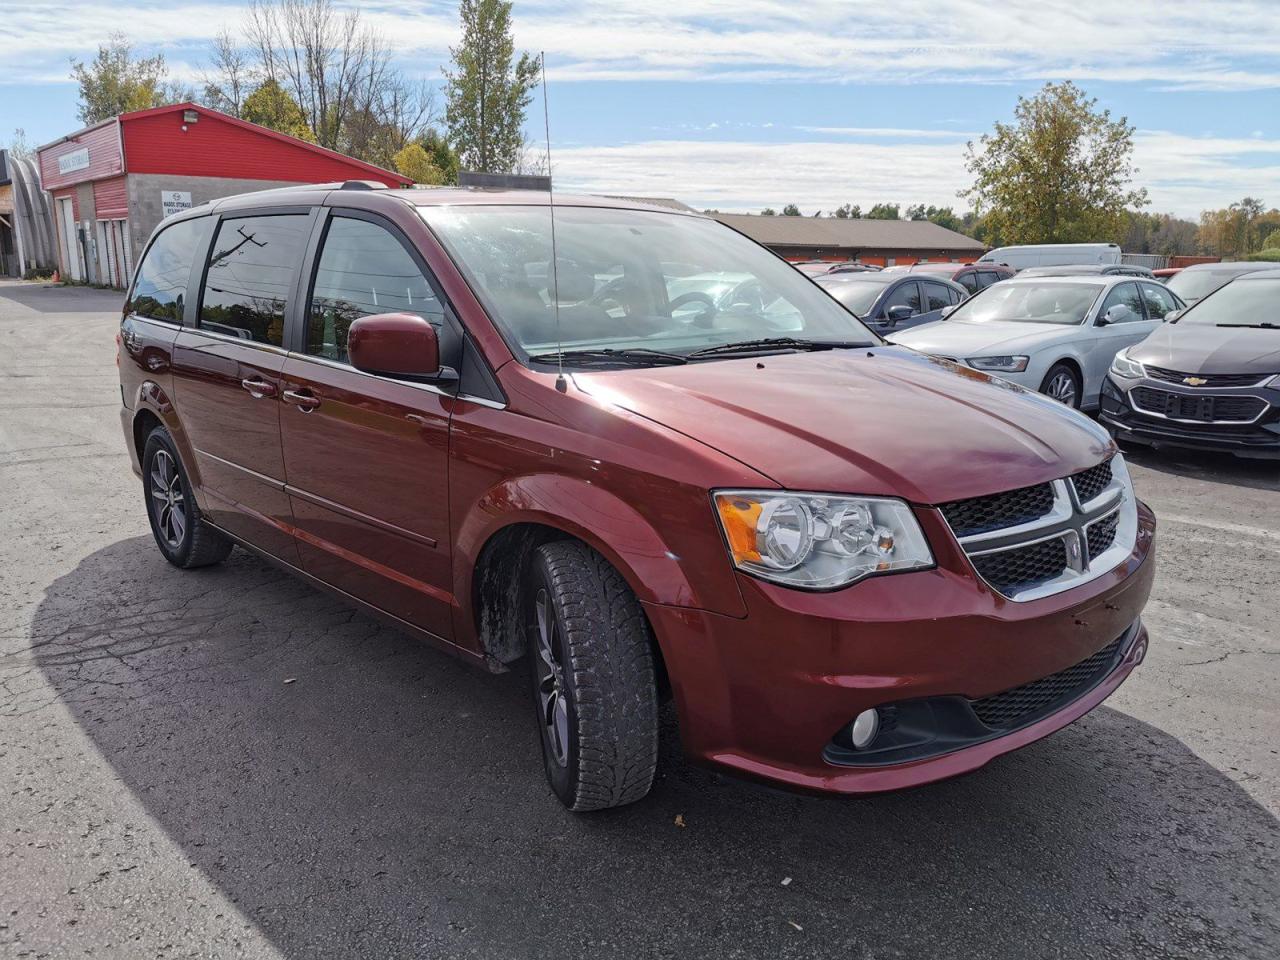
{"points": [[601, 677], [180, 531], [1060, 379]]}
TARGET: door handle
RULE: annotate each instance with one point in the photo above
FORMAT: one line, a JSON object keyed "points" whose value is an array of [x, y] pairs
{"points": [[306, 402], [259, 389]]}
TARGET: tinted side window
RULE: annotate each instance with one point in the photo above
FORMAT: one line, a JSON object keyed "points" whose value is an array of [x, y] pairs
{"points": [[161, 289], [363, 270], [250, 276], [987, 277], [907, 293], [936, 296], [1159, 300], [969, 281], [1126, 297]]}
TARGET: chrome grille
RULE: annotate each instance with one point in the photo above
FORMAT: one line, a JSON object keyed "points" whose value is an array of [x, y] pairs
{"points": [[1012, 570], [1197, 407], [1035, 541], [999, 510], [1208, 379], [1089, 483]]}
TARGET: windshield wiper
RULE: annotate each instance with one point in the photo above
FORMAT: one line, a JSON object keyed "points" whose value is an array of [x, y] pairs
{"points": [[634, 356], [1264, 325], [773, 343]]}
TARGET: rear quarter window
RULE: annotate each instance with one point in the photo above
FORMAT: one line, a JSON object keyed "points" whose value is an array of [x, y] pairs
{"points": [[160, 290]]}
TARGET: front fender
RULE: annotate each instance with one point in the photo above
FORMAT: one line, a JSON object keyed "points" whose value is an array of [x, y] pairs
{"points": [[626, 538]]}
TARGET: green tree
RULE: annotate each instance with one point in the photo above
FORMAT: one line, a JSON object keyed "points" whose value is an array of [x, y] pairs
{"points": [[1060, 173], [271, 106], [768, 212], [883, 211], [791, 210], [847, 212], [488, 89], [442, 155], [116, 82], [1273, 241], [414, 162]]}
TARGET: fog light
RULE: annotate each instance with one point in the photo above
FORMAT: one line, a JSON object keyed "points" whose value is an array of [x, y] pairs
{"points": [[864, 728]]}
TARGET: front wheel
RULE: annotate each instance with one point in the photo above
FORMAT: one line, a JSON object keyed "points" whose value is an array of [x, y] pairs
{"points": [[594, 693], [1062, 384]]}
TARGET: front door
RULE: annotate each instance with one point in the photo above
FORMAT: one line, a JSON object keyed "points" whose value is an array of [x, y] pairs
{"points": [[227, 377], [367, 457], [1127, 324]]}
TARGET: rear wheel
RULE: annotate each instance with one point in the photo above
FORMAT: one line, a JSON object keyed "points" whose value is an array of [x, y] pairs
{"points": [[181, 533], [1062, 383], [594, 693]]}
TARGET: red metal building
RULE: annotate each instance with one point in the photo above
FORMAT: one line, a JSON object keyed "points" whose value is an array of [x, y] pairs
{"points": [[113, 182]]}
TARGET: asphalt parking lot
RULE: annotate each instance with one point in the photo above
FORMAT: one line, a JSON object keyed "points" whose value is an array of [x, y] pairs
{"points": [[165, 792]]}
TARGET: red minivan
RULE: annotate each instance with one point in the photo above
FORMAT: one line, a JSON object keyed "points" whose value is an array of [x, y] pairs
{"points": [[645, 457]]}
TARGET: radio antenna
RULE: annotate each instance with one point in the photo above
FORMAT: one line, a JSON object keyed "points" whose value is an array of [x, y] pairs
{"points": [[561, 383]]}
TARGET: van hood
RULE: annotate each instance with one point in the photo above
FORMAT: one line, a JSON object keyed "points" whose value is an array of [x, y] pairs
{"points": [[1204, 348], [959, 340], [883, 421]]}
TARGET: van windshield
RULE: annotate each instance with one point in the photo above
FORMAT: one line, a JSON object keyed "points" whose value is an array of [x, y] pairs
{"points": [[1044, 302], [632, 280]]}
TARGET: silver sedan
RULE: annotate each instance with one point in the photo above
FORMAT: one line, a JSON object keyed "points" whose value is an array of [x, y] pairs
{"points": [[1057, 335]]}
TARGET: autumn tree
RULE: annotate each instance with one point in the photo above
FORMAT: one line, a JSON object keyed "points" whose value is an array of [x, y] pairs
{"points": [[115, 82], [1060, 173], [414, 162], [270, 106], [488, 89]]}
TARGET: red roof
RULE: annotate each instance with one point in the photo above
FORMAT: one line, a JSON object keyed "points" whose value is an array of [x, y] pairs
{"points": [[221, 145]]}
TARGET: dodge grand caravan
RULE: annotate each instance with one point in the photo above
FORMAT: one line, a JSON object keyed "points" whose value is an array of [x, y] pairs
{"points": [[853, 567]]}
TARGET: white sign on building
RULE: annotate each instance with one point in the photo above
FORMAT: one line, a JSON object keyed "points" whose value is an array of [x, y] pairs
{"points": [[174, 201], [73, 161]]}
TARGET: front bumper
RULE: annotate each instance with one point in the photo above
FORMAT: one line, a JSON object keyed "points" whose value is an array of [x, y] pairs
{"points": [[767, 695], [1127, 420]]}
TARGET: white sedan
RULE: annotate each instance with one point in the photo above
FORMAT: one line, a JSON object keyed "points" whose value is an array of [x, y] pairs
{"points": [[1057, 335]]}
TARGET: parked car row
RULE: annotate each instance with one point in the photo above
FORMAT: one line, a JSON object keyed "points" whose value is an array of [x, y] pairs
{"points": [[1158, 370]]}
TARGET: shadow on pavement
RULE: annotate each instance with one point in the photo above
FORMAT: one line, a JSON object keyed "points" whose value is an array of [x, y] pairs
{"points": [[1206, 465], [390, 802], [48, 298]]}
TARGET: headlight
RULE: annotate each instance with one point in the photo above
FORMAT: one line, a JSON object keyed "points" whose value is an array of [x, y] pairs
{"points": [[1122, 366], [1273, 382], [814, 541], [1003, 364]]}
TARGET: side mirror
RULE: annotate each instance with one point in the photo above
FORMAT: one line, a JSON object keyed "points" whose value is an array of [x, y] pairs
{"points": [[1113, 315], [1173, 315], [897, 314], [397, 345], [947, 311]]}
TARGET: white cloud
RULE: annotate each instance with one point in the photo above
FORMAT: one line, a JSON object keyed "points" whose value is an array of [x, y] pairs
{"points": [[1183, 174], [1177, 44]]}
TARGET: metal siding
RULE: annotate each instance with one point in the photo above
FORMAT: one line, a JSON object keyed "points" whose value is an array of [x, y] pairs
{"points": [[210, 147], [110, 199], [103, 144]]}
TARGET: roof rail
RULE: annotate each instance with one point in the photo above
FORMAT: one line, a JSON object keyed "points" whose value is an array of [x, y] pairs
{"points": [[363, 185]]}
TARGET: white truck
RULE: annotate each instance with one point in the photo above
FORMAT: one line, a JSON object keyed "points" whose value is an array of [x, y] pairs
{"points": [[1053, 254]]}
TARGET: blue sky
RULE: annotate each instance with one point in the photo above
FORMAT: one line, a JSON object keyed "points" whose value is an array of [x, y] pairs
{"points": [[739, 104]]}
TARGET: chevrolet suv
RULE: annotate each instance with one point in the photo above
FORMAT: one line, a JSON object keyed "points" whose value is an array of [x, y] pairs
{"points": [[853, 567]]}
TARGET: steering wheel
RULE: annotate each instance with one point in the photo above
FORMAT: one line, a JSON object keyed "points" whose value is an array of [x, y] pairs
{"points": [[695, 296]]}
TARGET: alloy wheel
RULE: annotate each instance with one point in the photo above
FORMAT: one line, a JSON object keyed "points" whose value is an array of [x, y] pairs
{"points": [[1062, 388], [553, 708], [168, 500]]}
